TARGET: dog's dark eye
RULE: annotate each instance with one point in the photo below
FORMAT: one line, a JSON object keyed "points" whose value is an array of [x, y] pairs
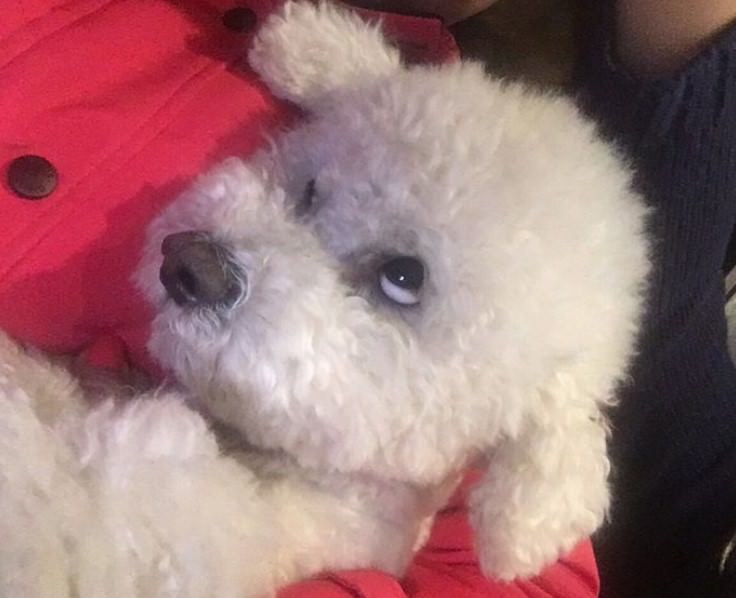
{"points": [[306, 203], [401, 279]]}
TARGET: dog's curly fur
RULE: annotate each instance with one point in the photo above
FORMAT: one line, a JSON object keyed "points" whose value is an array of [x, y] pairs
{"points": [[350, 417]]}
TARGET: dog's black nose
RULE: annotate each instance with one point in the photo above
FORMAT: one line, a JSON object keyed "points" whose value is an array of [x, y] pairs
{"points": [[197, 271]]}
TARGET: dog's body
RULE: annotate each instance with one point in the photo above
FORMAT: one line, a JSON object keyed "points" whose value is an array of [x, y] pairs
{"points": [[390, 300]]}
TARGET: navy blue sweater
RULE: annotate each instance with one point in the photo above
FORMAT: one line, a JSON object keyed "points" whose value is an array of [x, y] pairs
{"points": [[674, 437]]}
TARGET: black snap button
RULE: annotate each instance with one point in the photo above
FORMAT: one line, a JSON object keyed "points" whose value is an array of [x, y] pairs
{"points": [[239, 19], [32, 177]]}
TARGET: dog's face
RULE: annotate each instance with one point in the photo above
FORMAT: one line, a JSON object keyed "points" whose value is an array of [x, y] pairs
{"points": [[431, 265], [392, 284]]}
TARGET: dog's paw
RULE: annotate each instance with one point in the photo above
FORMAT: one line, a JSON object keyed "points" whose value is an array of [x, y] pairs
{"points": [[145, 430], [510, 550], [308, 49], [515, 560], [516, 541]]}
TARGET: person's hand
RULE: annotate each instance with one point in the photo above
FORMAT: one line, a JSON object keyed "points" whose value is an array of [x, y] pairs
{"points": [[451, 11]]}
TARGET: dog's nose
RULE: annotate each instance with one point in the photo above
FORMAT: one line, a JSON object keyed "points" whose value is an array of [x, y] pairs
{"points": [[197, 271]]}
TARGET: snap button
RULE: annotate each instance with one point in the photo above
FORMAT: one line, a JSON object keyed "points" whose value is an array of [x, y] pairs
{"points": [[32, 177], [239, 19]]}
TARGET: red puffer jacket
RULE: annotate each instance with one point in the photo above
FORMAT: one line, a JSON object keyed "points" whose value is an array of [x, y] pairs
{"points": [[126, 101]]}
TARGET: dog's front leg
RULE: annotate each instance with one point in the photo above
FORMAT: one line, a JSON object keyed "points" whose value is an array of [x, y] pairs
{"points": [[138, 501], [545, 489], [127, 502]]}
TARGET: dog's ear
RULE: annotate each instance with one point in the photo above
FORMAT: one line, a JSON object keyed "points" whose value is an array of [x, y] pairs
{"points": [[306, 50], [546, 489]]}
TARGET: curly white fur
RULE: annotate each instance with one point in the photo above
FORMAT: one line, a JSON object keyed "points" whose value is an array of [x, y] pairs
{"points": [[351, 416]]}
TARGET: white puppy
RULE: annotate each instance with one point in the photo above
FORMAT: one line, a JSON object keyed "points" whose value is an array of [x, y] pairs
{"points": [[432, 267]]}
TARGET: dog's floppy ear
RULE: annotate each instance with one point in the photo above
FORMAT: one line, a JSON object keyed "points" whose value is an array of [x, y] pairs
{"points": [[546, 489], [306, 50]]}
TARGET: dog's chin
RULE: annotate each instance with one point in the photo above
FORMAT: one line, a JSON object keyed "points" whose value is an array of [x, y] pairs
{"points": [[176, 332]]}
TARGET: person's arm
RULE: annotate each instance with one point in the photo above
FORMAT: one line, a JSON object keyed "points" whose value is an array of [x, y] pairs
{"points": [[673, 448], [656, 37]]}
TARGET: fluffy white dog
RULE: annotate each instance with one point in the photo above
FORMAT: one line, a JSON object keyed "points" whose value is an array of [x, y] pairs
{"points": [[433, 267]]}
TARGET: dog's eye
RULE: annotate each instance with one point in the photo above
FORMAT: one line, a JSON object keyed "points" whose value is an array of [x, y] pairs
{"points": [[307, 201], [401, 279]]}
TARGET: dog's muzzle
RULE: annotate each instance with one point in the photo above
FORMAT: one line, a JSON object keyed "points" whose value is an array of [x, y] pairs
{"points": [[199, 272]]}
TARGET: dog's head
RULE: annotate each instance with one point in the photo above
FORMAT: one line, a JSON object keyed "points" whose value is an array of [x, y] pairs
{"points": [[391, 285]]}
